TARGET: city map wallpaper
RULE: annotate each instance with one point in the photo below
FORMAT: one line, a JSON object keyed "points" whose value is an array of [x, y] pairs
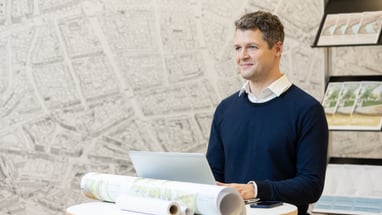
{"points": [[82, 82]]}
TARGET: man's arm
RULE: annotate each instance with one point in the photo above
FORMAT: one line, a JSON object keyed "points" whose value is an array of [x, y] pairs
{"points": [[306, 187], [215, 150]]}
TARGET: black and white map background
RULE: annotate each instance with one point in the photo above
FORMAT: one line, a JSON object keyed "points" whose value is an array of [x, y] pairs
{"points": [[82, 82]]}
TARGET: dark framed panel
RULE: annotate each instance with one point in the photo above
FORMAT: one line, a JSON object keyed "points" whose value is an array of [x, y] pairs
{"points": [[354, 78], [356, 161], [354, 103], [350, 23]]}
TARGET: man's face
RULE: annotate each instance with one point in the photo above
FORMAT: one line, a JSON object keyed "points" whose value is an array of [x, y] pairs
{"points": [[255, 60]]}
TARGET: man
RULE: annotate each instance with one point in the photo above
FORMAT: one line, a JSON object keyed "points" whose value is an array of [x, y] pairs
{"points": [[270, 139]]}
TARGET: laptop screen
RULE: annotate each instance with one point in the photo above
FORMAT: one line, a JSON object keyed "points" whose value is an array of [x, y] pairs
{"points": [[175, 166]]}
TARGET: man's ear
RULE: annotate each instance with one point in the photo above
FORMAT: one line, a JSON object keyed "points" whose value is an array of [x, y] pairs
{"points": [[279, 48]]}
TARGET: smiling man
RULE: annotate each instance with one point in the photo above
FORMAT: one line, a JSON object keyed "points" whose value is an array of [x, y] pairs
{"points": [[269, 140]]}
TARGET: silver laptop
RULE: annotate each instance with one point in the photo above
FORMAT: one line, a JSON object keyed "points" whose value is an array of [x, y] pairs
{"points": [[176, 166]]}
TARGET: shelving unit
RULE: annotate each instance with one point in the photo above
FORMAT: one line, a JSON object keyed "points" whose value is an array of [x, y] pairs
{"points": [[333, 7], [349, 202]]}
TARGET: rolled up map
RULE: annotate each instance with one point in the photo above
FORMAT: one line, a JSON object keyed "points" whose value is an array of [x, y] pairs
{"points": [[200, 198]]}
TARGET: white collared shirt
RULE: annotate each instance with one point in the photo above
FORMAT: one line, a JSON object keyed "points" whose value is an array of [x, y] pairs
{"points": [[275, 89]]}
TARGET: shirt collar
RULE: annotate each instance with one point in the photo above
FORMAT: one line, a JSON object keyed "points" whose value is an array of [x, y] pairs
{"points": [[277, 87]]}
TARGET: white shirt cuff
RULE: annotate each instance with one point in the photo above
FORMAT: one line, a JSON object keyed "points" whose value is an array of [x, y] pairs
{"points": [[254, 188]]}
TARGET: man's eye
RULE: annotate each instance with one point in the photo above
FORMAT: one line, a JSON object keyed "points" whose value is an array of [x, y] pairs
{"points": [[252, 47], [237, 48]]}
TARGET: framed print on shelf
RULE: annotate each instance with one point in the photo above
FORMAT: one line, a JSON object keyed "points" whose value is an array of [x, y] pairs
{"points": [[350, 23], [354, 103], [351, 29]]}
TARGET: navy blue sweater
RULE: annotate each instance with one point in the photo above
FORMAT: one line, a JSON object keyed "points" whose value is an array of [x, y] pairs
{"points": [[280, 144]]}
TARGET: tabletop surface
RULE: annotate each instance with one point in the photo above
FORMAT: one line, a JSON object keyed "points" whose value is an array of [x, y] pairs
{"points": [[102, 208]]}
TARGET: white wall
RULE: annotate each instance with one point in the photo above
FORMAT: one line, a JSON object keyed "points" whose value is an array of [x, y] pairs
{"points": [[83, 82]]}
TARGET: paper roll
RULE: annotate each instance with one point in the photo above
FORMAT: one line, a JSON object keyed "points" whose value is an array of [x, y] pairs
{"points": [[200, 198], [186, 211], [147, 205]]}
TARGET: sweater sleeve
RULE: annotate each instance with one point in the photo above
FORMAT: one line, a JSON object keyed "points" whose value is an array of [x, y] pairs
{"points": [[215, 150], [311, 149]]}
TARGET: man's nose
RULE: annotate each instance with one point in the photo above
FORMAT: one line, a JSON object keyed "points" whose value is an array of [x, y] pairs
{"points": [[243, 54]]}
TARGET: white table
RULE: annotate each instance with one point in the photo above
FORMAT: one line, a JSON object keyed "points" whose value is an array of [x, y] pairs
{"points": [[102, 208]]}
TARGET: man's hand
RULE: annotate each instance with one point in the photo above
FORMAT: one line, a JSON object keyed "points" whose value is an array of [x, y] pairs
{"points": [[246, 190]]}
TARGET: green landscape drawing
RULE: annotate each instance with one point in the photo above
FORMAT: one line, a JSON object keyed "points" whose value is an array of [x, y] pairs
{"points": [[354, 105]]}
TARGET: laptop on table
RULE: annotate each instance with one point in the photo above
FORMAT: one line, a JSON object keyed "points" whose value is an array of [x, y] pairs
{"points": [[175, 166]]}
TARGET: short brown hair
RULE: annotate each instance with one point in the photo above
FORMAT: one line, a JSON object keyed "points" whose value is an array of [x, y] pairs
{"points": [[269, 24]]}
